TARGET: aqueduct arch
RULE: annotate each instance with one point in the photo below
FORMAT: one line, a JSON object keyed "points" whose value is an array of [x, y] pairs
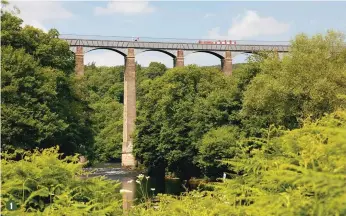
{"points": [[128, 159]]}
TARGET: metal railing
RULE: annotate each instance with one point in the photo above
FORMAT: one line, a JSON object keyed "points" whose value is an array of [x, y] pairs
{"points": [[167, 40]]}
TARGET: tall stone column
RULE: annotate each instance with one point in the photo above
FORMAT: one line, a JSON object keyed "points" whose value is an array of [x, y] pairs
{"points": [[226, 63], [179, 60], [127, 159], [79, 61]]}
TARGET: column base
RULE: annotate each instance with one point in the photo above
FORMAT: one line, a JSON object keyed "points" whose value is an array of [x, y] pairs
{"points": [[226, 63], [227, 67], [179, 62], [128, 160]]}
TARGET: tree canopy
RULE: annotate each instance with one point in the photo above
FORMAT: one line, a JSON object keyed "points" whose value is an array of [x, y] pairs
{"points": [[306, 82], [40, 107], [179, 111], [175, 112]]}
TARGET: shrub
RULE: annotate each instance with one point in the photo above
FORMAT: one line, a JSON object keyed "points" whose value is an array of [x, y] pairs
{"points": [[302, 172], [45, 182]]}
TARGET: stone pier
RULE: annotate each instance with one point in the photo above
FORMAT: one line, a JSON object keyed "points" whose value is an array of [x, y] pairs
{"points": [[79, 61], [226, 63], [179, 60], [127, 158], [129, 191]]}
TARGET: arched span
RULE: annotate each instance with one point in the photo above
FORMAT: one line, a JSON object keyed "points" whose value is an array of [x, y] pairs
{"points": [[162, 51], [105, 48], [210, 52]]}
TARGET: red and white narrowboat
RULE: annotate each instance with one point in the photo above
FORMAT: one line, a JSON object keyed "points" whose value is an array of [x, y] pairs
{"points": [[228, 42]]}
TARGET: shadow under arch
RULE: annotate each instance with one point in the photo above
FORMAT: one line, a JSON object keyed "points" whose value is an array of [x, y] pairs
{"points": [[161, 51], [105, 48], [211, 52]]}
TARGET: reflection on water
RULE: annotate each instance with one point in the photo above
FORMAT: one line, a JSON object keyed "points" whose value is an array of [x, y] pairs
{"points": [[128, 178]]}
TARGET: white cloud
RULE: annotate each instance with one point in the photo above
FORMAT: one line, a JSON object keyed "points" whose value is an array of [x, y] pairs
{"points": [[251, 25], [36, 13], [125, 7]]}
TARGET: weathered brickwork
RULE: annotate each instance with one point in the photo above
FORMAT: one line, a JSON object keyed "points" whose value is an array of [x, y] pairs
{"points": [[179, 60], [79, 61], [226, 63]]}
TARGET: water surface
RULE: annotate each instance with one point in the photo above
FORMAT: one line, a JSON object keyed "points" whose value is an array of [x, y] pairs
{"points": [[128, 179]]}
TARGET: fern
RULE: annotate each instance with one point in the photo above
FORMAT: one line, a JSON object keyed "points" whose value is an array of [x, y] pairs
{"points": [[298, 172], [43, 182]]}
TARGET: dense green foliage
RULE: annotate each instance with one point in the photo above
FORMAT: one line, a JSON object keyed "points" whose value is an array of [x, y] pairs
{"points": [[102, 89], [44, 183], [39, 105], [174, 113], [277, 127], [307, 82], [179, 113], [301, 172], [215, 145]]}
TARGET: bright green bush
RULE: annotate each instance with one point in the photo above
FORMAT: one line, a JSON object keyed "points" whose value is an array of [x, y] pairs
{"points": [[302, 172], [46, 183], [215, 145], [306, 82]]}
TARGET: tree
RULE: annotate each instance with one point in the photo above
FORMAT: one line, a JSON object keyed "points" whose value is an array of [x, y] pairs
{"points": [[102, 88], [215, 145], [174, 113], [146, 75], [307, 82], [155, 69], [28, 92], [301, 172], [40, 107]]}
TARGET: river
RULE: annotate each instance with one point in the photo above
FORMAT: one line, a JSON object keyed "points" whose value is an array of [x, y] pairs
{"points": [[128, 179]]}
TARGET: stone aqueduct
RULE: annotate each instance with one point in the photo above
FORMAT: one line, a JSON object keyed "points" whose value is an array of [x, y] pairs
{"points": [[176, 50]]}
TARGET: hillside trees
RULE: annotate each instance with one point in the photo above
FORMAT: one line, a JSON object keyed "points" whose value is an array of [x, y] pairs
{"points": [[154, 70], [102, 89], [174, 113], [146, 75], [39, 105], [178, 112], [307, 82]]}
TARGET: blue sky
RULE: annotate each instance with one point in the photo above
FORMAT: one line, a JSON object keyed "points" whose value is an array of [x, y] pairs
{"points": [[269, 21]]}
